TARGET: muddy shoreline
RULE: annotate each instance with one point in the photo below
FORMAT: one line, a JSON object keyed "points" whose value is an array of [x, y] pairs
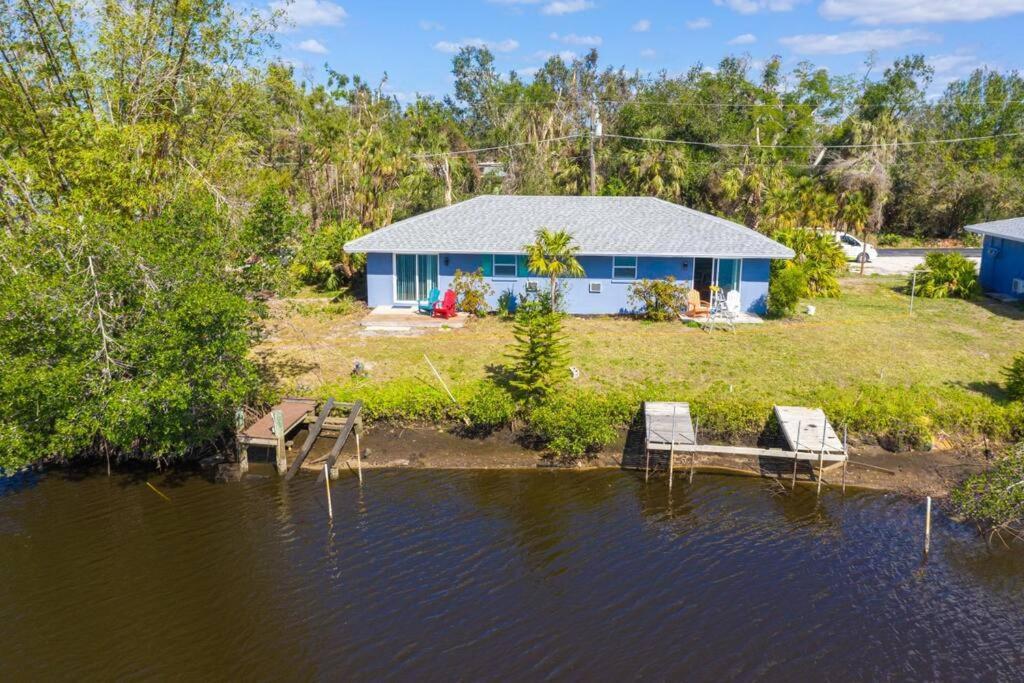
{"points": [[432, 447]]}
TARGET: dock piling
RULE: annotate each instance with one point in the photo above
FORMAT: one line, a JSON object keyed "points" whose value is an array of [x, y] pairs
{"points": [[796, 453], [928, 525], [280, 459], [672, 449], [327, 485], [359, 457]]}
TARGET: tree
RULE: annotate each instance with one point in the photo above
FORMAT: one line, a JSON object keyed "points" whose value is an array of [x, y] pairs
{"points": [[538, 354], [553, 255]]}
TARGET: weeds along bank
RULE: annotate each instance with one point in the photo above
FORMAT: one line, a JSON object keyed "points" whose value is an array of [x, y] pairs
{"points": [[582, 420]]}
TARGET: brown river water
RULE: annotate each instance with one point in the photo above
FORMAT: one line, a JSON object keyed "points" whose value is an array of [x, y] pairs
{"points": [[440, 575]]}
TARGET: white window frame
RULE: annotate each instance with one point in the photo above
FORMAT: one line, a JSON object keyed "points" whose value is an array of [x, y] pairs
{"points": [[615, 267], [514, 264], [739, 273]]}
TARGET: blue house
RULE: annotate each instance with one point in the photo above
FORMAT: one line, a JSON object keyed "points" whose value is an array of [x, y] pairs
{"points": [[1002, 257], [621, 240]]}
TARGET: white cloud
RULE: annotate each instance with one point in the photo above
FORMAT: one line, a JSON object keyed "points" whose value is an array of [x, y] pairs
{"points": [[648, 53], [573, 39], [642, 26], [950, 67], [313, 46], [698, 24], [560, 7], [428, 25], [755, 6], [507, 45], [856, 41], [744, 39], [311, 12], [875, 12], [545, 55]]}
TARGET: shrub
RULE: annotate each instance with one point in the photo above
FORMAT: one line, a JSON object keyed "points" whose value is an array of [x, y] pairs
{"points": [[472, 291], [889, 239], [489, 407], [1015, 378], [321, 260], [575, 424], [659, 299], [995, 498], [947, 275], [818, 255], [538, 352], [786, 288], [507, 304]]}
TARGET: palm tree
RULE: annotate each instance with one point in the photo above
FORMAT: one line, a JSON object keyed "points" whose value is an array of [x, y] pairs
{"points": [[553, 254], [855, 215]]}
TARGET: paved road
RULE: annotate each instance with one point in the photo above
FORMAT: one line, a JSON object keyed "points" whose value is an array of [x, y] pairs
{"points": [[887, 264], [970, 253]]}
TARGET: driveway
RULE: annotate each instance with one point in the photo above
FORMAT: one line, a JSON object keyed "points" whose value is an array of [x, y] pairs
{"points": [[970, 253], [904, 264]]}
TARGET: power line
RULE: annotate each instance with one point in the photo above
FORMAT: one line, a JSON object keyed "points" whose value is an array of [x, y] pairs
{"points": [[872, 145], [512, 145]]}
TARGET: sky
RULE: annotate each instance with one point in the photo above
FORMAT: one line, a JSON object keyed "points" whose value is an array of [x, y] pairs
{"points": [[413, 41]]}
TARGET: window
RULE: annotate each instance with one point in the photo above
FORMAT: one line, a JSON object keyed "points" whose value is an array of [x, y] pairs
{"points": [[595, 287], [504, 265], [532, 286], [851, 241], [624, 268]]}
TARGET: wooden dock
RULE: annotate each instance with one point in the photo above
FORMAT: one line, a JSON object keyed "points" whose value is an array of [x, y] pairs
{"points": [[808, 431], [261, 432], [668, 426]]}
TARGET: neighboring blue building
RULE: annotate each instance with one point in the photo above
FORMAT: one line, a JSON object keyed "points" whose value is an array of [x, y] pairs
{"points": [[1002, 257], [621, 240]]}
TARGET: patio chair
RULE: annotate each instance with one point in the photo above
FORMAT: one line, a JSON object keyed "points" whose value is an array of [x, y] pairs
{"points": [[427, 305], [446, 307], [732, 302], [694, 306]]}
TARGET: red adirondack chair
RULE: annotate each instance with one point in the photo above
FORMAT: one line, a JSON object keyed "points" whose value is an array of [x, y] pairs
{"points": [[446, 307]]}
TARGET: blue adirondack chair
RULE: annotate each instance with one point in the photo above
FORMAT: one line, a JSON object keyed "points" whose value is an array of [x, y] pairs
{"points": [[427, 305]]}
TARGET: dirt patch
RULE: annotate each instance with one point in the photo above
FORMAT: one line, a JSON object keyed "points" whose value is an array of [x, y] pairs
{"points": [[919, 473]]}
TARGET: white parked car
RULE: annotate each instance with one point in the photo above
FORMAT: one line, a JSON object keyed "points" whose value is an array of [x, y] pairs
{"points": [[854, 248]]}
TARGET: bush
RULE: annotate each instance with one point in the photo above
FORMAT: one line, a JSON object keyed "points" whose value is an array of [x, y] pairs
{"points": [[321, 260], [472, 292], [818, 255], [1015, 378], [659, 299], [786, 288], [574, 425], [489, 407], [947, 275], [995, 498], [889, 239]]}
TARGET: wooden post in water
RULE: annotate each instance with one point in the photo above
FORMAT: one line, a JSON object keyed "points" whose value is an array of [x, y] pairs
{"points": [[672, 448], [243, 449], [693, 453], [327, 483], [928, 525], [821, 454], [280, 459], [359, 457], [796, 452], [846, 457]]}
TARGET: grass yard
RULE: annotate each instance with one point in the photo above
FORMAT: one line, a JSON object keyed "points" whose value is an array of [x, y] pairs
{"points": [[941, 365]]}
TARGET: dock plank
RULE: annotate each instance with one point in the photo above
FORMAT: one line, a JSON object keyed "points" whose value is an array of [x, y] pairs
{"points": [[807, 430], [668, 425], [261, 432]]}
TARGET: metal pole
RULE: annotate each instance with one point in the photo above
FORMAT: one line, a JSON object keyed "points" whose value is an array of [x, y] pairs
{"points": [[913, 291], [327, 484], [672, 448], [928, 525], [796, 451]]}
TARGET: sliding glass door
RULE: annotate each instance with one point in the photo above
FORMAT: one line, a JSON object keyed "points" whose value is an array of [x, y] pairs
{"points": [[415, 276], [723, 272]]}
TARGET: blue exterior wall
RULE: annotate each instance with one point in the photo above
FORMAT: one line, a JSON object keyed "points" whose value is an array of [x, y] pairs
{"points": [[614, 295], [1002, 260]]}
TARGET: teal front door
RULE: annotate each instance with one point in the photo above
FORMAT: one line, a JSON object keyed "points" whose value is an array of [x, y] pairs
{"points": [[415, 276]]}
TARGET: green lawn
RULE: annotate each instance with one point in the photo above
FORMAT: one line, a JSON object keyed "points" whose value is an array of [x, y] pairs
{"points": [[861, 348]]}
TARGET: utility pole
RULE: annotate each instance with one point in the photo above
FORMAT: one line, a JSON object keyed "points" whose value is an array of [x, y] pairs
{"points": [[595, 132]]}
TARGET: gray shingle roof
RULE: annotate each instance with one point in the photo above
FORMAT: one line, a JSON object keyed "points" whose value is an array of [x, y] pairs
{"points": [[642, 226], [1010, 228]]}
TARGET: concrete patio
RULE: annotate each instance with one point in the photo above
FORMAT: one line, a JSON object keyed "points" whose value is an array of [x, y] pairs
{"points": [[406, 320]]}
